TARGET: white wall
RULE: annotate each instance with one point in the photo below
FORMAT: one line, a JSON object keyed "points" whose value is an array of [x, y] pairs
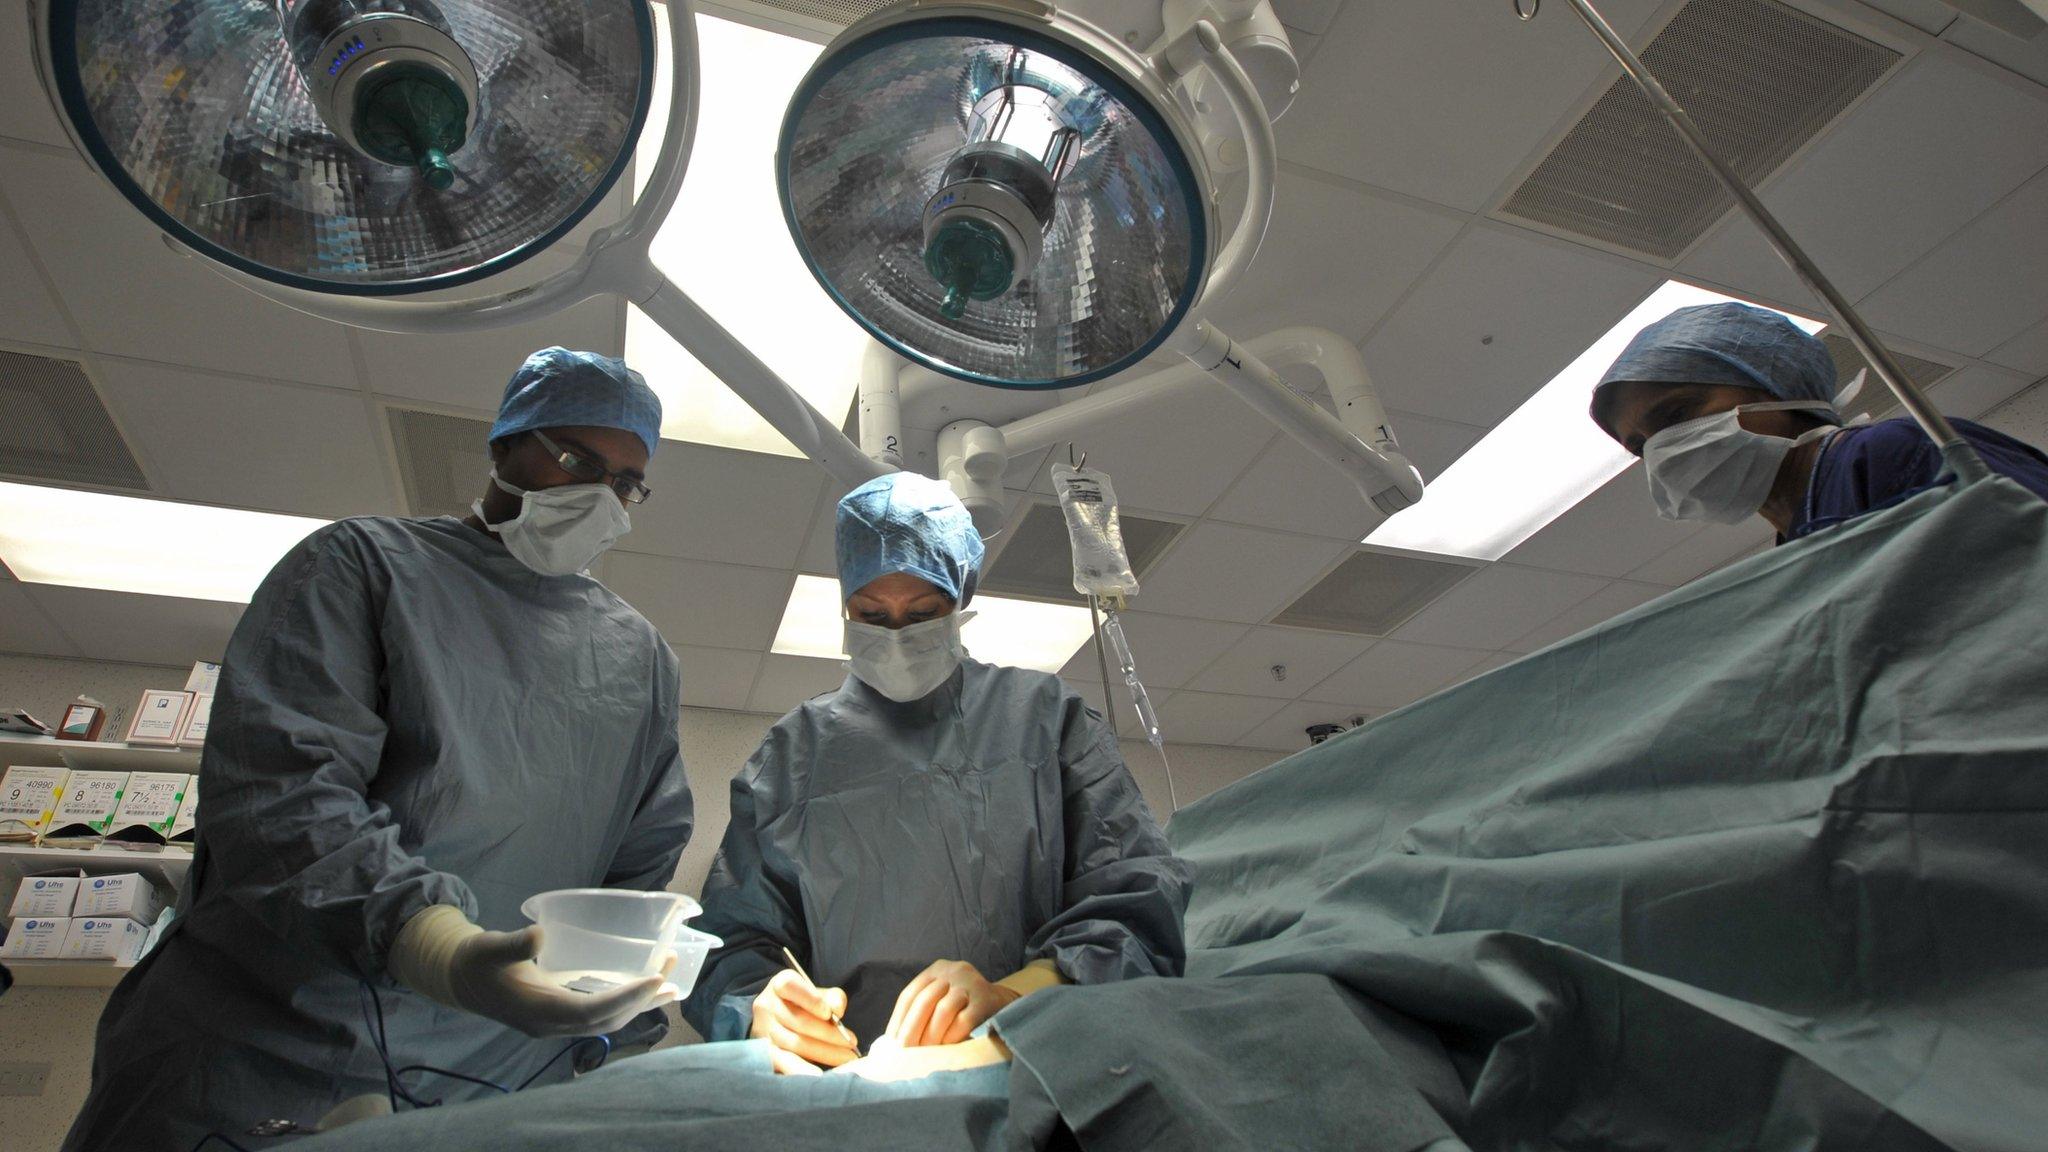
{"points": [[56, 1024]]}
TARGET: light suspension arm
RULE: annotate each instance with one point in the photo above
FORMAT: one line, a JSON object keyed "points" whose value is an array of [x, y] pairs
{"points": [[1960, 455]]}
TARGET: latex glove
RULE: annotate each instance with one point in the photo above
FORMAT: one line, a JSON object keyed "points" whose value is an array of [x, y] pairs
{"points": [[440, 954], [796, 1018], [917, 1063], [945, 1003]]}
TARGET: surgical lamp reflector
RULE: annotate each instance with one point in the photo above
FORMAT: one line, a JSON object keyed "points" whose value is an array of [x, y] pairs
{"points": [[370, 147], [1008, 205]]}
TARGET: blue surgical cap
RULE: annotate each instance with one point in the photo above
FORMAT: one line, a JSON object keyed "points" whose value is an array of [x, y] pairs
{"points": [[557, 388], [1728, 344], [904, 522]]}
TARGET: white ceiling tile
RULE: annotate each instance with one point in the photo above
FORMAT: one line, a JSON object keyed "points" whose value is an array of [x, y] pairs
{"points": [[1610, 533], [133, 297], [787, 681], [133, 629], [1308, 15], [1293, 489], [1938, 144], [725, 505], [1206, 718], [2028, 58], [1973, 390], [692, 602], [1500, 603], [2024, 417], [25, 110], [27, 312], [1223, 572], [1443, 101], [1500, 285], [717, 677], [1127, 723], [307, 451], [1334, 257], [1392, 674], [1713, 546], [470, 369], [1608, 602], [1177, 457], [24, 628], [1308, 657], [2027, 352], [1981, 288], [1496, 660], [1929, 16], [819, 553], [1431, 444], [1287, 729], [1169, 650]]}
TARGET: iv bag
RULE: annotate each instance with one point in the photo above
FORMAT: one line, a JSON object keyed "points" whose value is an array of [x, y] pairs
{"points": [[1101, 567]]}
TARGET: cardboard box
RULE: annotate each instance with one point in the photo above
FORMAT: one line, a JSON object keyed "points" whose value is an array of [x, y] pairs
{"points": [[149, 805], [28, 797], [159, 717], [196, 720], [205, 678], [88, 805], [36, 938], [185, 829], [101, 938], [129, 896], [45, 896]]}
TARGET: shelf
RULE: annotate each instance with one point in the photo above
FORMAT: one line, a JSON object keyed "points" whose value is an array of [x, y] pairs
{"points": [[166, 866], [66, 973], [93, 756]]}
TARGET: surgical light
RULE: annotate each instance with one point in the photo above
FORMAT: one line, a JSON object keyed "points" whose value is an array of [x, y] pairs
{"points": [[1018, 206], [355, 146]]}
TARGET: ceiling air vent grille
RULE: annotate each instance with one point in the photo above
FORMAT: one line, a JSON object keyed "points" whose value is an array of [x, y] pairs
{"points": [[1760, 80], [1373, 593], [444, 461], [1038, 559], [1875, 397], [53, 427]]}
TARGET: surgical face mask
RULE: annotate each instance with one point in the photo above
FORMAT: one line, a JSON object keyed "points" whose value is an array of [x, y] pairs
{"points": [[906, 664], [559, 531], [1714, 469]]}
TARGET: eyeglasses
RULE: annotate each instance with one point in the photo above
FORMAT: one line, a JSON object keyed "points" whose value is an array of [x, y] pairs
{"points": [[591, 472]]}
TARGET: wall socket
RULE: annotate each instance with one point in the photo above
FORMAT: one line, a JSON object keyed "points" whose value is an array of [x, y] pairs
{"points": [[22, 1079]]}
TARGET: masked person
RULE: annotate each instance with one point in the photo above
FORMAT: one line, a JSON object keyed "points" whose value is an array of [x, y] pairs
{"points": [[1732, 409], [420, 723], [936, 838]]}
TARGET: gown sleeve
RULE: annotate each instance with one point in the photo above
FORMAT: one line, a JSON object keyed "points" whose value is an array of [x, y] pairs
{"points": [[1124, 891], [749, 903], [662, 822], [288, 829]]}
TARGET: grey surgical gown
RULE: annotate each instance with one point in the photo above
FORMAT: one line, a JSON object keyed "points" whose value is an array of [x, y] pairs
{"points": [[407, 716], [993, 822]]}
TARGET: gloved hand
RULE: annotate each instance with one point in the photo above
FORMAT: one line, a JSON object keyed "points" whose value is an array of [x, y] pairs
{"points": [[950, 999], [796, 1018], [440, 954]]}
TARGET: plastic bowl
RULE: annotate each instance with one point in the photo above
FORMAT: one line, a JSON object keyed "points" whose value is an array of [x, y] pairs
{"points": [[597, 936]]}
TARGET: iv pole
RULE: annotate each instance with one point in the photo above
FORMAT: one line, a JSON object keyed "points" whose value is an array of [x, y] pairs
{"points": [[1960, 456]]}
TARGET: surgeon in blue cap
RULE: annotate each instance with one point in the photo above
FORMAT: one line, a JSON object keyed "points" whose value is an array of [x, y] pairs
{"points": [[936, 838], [420, 723], [1733, 411]]}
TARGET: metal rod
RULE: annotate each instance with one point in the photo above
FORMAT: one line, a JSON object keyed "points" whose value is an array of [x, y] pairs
{"points": [[1960, 455]]}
